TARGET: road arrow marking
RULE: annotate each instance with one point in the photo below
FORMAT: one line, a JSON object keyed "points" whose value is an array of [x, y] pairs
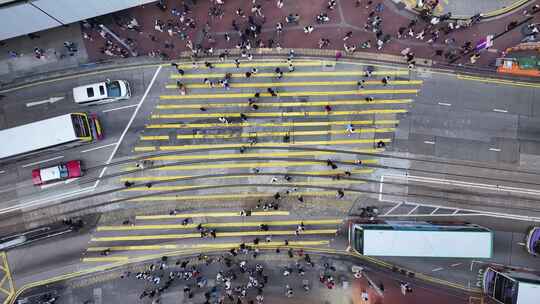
{"points": [[50, 100]]}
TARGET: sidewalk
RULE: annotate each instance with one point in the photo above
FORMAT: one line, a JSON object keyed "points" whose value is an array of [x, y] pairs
{"points": [[17, 57], [467, 8]]}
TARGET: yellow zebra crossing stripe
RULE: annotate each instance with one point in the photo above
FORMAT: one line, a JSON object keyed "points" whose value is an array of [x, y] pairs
{"points": [[281, 104], [198, 235], [271, 124], [292, 94], [220, 225], [244, 155], [208, 246], [304, 184], [297, 84], [267, 134], [235, 176], [208, 214], [292, 75], [265, 144], [234, 196], [257, 64], [278, 114]]}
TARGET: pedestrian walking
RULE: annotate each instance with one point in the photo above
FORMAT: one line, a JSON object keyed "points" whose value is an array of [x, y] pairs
{"points": [[308, 29]]}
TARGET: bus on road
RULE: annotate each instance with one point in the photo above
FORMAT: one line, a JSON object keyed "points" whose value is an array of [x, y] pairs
{"points": [[53, 133], [511, 287], [421, 239], [533, 241]]}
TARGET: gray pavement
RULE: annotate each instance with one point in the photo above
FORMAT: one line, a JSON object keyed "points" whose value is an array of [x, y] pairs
{"points": [[463, 7], [55, 56]]}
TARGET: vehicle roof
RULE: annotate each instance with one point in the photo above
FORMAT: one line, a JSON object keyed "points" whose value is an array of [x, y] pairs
{"points": [[427, 243], [527, 293], [80, 93], [37, 135], [51, 173]]}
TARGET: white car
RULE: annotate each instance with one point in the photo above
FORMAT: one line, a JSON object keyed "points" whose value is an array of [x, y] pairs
{"points": [[102, 92]]}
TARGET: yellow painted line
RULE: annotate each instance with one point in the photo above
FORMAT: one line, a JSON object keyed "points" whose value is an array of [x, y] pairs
{"points": [[258, 164], [297, 84], [235, 196], [7, 275], [247, 154], [272, 124], [292, 94], [106, 259], [171, 177], [220, 225], [499, 81], [208, 214], [281, 104], [305, 184], [246, 64], [159, 137], [295, 74], [208, 246], [264, 144], [279, 114], [271, 134], [198, 235]]}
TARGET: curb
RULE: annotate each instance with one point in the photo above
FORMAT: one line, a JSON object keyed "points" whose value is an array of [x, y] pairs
{"points": [[191, 253], [488, 15]]}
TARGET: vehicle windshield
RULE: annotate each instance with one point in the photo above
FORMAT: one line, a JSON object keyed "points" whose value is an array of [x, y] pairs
{"points": [[63, 171], [113, 89]]}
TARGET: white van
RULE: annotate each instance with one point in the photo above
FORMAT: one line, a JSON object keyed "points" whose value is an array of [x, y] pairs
{"points": [[102, 92]]}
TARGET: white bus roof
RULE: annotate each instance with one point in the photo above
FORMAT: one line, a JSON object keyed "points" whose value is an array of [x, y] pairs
{"points": [[528, 293], [37, 135], [466, 244]]}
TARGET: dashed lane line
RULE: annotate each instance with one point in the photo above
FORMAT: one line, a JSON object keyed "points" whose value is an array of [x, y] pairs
{"points": [[292, 75], [219, 235], [292, 94], [220, 225], [263, 144], [304, 184], [268, 134], [499, 81], [205, 246], [222, 196], [297, 84], [173, 177], [278, 114], [281, 104], [271, 124]]}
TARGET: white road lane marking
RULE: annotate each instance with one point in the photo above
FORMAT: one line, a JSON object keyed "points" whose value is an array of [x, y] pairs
{"points": [[128, 125], [42, 161], [120, 108], [2, 171], [494, 149], [429, 142], [456, 264], [500, 110], [97, 148], [437, 269], [50, 100], [445, 104], [521, 244]]}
